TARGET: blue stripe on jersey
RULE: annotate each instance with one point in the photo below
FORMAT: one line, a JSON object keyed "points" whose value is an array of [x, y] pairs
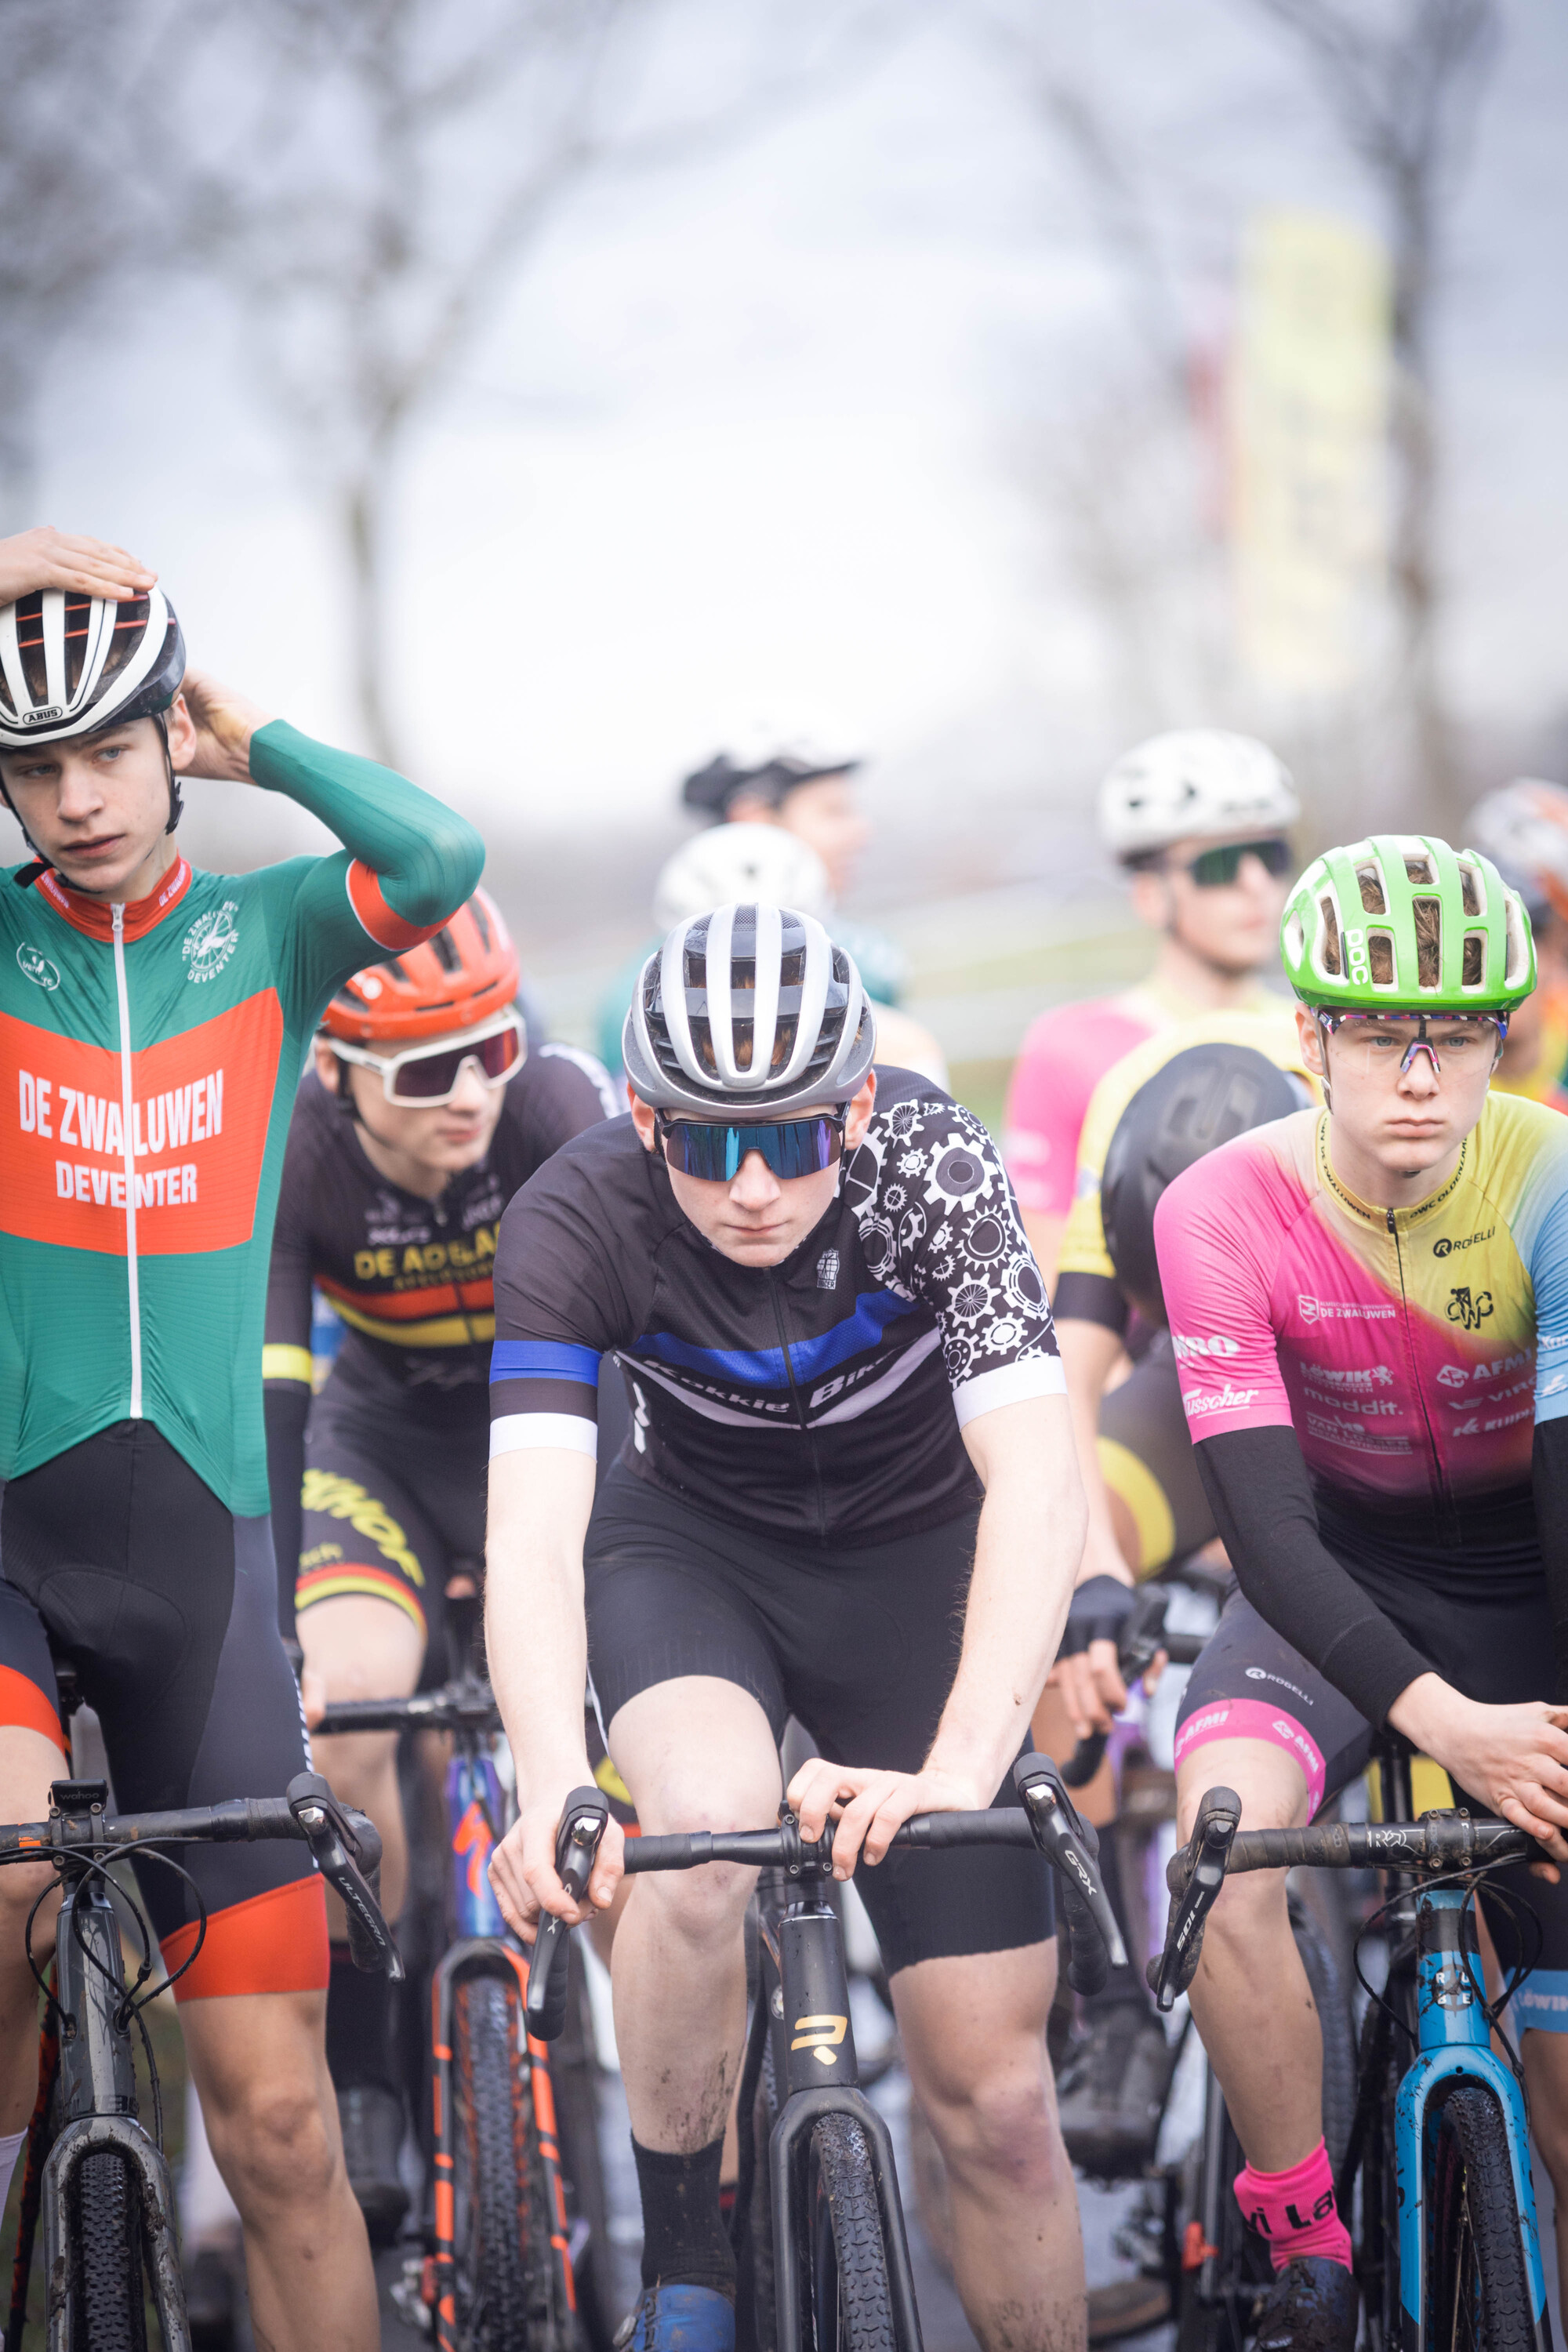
{"points": [[544, 1360], [764, 1367]]}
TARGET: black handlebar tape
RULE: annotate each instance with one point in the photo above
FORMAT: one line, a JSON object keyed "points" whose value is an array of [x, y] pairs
{"points": [[1442, 1840], [583, 1820]]}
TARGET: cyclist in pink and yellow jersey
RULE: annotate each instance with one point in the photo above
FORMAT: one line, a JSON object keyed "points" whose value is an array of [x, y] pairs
{"points": [[1199, 818], [1368, 1304]]}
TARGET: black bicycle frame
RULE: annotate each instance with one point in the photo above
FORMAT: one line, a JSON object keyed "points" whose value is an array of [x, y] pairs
{"points": [[98, 2099], [806, 1988]]}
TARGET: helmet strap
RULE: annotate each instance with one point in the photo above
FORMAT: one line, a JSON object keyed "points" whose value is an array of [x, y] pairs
{"points": [[176, 801]]}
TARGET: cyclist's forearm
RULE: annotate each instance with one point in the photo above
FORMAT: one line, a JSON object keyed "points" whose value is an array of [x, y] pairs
{"points": [[1025, 1556], [427, 858], [534, 1633]]}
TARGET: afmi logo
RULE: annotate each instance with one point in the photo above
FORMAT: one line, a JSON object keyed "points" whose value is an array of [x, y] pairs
{"points": [[46, 711]]}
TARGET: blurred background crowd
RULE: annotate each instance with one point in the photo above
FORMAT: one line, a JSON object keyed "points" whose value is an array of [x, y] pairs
{"points": [[548, 395]]}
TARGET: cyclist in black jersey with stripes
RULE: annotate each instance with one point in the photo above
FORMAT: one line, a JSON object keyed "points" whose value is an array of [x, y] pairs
{"points": [[850, 1493], [429, 1106]]}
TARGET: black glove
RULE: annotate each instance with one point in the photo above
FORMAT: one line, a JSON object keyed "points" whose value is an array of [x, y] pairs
{"points": [[1099, 1610]]}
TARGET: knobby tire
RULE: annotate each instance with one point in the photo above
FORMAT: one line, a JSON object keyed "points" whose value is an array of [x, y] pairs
{"points": [[111, 2300], [506, 2278], [1479, 2290], [852, 2306]]}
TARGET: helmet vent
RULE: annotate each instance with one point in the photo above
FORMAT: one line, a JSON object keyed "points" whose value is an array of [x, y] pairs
{"points": [[481, 922], [395, 969], [1518, 970], [1474, 964], [1419, 869], [1380, 958], [1332, 962], [1370, 884], [1428, 915], [446, 950], [1470, 889]]}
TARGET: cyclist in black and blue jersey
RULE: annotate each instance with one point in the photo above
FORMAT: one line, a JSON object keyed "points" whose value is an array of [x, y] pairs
{"points": [[850, 1493]]}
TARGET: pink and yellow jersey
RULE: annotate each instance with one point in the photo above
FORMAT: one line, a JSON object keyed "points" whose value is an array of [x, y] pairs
{"points": [[1412, 1350]]}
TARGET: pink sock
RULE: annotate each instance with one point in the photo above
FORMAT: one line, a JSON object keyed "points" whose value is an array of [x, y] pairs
{"points": [[1295, 2210]]}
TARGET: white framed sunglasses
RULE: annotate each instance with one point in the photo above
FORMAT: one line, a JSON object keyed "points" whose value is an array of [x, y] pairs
{"points": [[421, 1077]]}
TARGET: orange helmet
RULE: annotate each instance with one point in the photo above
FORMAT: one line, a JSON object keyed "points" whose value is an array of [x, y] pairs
{"points": [[460, 978]]}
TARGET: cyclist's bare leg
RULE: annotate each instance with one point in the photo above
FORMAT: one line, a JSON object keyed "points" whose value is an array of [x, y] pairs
{"points": [[1546, 2076], [973, 2032], [260, 2066], [28, 1762], [358, 1647], [696, 1753], [1250, 1996]]}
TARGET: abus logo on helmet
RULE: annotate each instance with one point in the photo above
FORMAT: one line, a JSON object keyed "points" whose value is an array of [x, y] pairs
{"points": [[45, 711], [1355, 956]]}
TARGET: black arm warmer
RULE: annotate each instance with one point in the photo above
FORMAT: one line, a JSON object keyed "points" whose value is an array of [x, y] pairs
{"points": [[286, 1410], [1549, 1478], [1093, 1298], [1261, 1497]]}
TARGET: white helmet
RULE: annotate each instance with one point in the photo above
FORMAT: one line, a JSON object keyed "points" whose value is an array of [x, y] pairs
{"points": [[748, 1008], [1523, 829], [71, 664], [1195, 783], [731, 862]]}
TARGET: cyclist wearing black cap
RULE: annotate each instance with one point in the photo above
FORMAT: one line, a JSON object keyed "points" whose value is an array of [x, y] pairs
{"points": [[850, 1493]]}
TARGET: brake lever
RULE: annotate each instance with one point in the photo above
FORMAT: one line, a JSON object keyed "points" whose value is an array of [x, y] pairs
{"points": [[1071, 1845], [1194, 1875], [346, 1847], [1142, 1636], [583, 1821]]}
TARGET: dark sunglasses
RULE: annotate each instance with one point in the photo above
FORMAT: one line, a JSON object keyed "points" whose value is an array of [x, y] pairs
{"points": [[1211, 870], [792, 1147], [428, 1075]]}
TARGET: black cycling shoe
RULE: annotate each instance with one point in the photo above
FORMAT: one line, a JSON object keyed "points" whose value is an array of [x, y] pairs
{"points": [[372, 2119], [1112, 2090], [1312, 2306]]}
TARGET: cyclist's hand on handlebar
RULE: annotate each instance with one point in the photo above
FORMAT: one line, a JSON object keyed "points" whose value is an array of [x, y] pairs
{"points": [[313, 1695], [1513, 1759], [1091, 1695], [523, 1873], [871, 1804]]}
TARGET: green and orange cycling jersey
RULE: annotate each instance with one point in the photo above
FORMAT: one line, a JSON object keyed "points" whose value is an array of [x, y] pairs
{"points": [[150, 1055]]}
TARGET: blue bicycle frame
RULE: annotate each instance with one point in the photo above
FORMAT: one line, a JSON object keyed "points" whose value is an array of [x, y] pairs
{"points": [[1454, 2045]]}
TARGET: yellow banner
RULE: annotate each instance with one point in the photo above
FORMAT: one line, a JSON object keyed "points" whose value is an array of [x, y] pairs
{"points": [[1309, 422]]}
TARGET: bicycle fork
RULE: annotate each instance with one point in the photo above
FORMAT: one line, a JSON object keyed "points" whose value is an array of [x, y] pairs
{"points": [[98, 2096], [814, 2051], [1455, 2043], [484, 1947]]}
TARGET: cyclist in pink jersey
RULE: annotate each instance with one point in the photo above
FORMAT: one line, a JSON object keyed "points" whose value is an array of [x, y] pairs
{"points": [[1369, 1305], [1199, 818]]}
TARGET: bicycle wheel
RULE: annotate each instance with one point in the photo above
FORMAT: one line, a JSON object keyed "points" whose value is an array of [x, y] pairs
{"points": [[111, 2303], [506, 2278], [1478, 2297], [574, 2074], [852, 2306], [757, 2285]]}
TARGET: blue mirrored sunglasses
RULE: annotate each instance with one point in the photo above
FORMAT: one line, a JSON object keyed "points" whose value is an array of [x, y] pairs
{"points": [[792, 1147]]}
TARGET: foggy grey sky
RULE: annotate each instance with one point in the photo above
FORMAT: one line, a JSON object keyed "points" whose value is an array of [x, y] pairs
{"points": [[741, 443]]}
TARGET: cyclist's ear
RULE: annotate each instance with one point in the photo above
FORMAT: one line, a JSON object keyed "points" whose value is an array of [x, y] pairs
{"points": [[857, 1113], [327, 1063], [643, 1116]]}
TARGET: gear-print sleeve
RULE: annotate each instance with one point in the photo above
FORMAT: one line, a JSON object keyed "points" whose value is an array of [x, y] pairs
{"points": [[560, 1306], [1211, 1231], [410, 863], [939, 1221]]}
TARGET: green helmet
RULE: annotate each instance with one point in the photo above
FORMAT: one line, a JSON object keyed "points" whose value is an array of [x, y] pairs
{"points": [[1403, 923]]}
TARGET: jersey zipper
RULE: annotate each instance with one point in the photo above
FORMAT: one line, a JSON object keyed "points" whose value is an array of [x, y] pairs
{"points": [[807, 1431], [1439, 1488], [132, 1268]]}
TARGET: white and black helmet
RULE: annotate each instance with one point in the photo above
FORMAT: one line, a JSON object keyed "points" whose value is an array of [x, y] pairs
{"points": [[748, 1008], [741, 862], [1195, 782], [71, 664]]}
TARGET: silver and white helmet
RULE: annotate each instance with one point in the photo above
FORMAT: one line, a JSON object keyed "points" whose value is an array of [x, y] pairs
{"points": [[71, 664], [750, 1008], [1195, 783]]}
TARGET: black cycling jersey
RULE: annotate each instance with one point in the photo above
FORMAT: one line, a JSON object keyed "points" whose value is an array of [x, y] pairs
{"points": [[411, 1278], [821, 1397]]}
